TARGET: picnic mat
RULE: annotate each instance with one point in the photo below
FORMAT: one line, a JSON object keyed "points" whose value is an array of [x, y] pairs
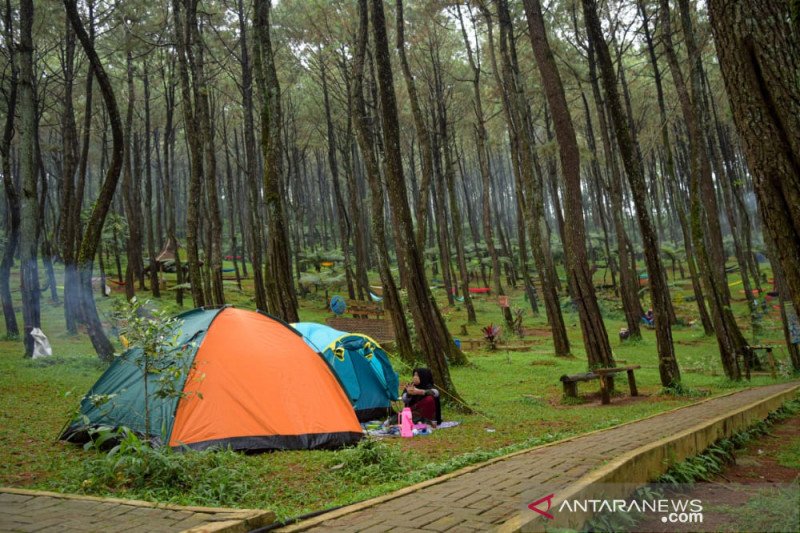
{"points": [[376, 428]]}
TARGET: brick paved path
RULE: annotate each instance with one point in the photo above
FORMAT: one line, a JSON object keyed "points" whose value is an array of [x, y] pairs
{"points": [[22, 510], [485, 497], [477, 500]]}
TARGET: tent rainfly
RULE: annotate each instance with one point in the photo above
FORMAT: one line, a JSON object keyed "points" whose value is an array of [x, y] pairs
{"points": [[250, 383], [360, 363]]}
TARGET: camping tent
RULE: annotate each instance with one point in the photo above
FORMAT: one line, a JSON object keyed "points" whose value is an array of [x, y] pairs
{"points": [[251, 383], [361, 364]]}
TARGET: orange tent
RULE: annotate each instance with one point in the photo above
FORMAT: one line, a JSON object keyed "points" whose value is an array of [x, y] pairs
{"points": [[254, 385]]}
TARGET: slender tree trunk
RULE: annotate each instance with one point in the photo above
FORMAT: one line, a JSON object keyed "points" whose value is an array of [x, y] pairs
{"points": [[668, 365], [148, 190], [449, 174], [435, 340], [69, 218], [595, 338], [672, 177], [231, 198], [281, 299], [729, 338], [483, 163], [94, 226], [251, 173], [343, 219], [201, 87], [29, 205], [364, 135], [425, 150], [133, 244], [12, 195], [183, 24]]}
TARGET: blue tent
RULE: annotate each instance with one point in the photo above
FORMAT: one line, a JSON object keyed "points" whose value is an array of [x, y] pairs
{"points": [[360, 363]]}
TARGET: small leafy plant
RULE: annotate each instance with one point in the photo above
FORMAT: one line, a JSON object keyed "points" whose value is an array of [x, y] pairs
{"points": [[156, 334], [132, 466], [491, 334]]}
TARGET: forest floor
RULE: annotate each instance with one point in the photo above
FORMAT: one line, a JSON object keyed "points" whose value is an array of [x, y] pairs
{"points": [[517, 397], [759, 491]]}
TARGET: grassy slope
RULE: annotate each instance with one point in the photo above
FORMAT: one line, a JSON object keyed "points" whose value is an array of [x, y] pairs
{"points": [[517, 394]]}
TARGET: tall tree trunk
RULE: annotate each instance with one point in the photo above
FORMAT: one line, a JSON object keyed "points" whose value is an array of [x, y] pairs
{"points": [[184, 49], [659, 293], [595, 337], [12, 195], [672, 177], [425, 150], [69, 218], [449, 174], [530, 186], [94, 226], [29, 205], [168, 174], [133, 243], [729, 338], [183, 24], [203, 108], [148, 190], [758, 51], [343, 219], [434, 338], [483, 163], [364, 135], [628, 277], [231, 199], [251, 173], [281, 299]]}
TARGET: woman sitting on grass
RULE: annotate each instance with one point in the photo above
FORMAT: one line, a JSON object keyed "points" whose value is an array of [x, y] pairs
{"points": [[423, 398]]}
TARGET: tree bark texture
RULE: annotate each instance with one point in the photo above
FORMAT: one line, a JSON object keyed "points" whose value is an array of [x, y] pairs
{"points": [[667, 363], [281, 298], [759, 55]]}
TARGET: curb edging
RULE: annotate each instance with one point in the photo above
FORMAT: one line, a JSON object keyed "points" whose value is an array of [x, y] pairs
{"points": [[637, 467]]}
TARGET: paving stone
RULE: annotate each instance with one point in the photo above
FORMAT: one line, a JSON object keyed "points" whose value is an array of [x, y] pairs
{"points": [[474, 501], [494, 493], [445, 523], [7, 498]]}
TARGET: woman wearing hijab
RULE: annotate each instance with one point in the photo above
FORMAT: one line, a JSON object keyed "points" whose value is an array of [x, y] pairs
{"points": [[423, 398]]}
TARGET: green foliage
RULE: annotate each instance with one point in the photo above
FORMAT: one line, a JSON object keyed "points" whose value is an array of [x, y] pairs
{"points": [[133, 467], [156, 334], [772, 509], [371, 460]]}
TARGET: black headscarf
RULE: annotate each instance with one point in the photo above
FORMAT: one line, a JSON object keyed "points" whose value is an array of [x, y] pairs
{"points": [[425, 377]]}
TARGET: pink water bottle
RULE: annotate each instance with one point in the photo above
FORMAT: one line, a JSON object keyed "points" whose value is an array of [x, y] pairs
{"points": [[406, 423]]}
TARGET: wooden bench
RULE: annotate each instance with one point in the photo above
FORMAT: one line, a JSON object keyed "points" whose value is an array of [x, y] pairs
{"points": [[381, 330], [362, 309], [606, 377], [770, 360]]}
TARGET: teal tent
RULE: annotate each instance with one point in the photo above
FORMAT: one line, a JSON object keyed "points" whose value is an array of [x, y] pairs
{"points": [[360, 363], [243, 380]]}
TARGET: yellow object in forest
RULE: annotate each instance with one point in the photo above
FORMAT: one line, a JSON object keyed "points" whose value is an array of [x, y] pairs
{"points": [[124, 341]]}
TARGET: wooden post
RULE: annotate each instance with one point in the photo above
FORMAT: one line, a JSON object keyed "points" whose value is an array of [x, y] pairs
{"points": [[604, 388], [771, 361], [632, 383], [570, 389]]}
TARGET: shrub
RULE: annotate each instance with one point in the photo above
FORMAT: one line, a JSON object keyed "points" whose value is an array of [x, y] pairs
{"points": [[132, 466]]}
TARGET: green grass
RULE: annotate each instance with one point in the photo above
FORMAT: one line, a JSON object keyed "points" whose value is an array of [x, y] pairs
{"points": [[515, 394], [789, 455]]}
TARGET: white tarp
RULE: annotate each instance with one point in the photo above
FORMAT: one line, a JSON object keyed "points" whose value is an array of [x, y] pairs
{"points": [[41, 346]]}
